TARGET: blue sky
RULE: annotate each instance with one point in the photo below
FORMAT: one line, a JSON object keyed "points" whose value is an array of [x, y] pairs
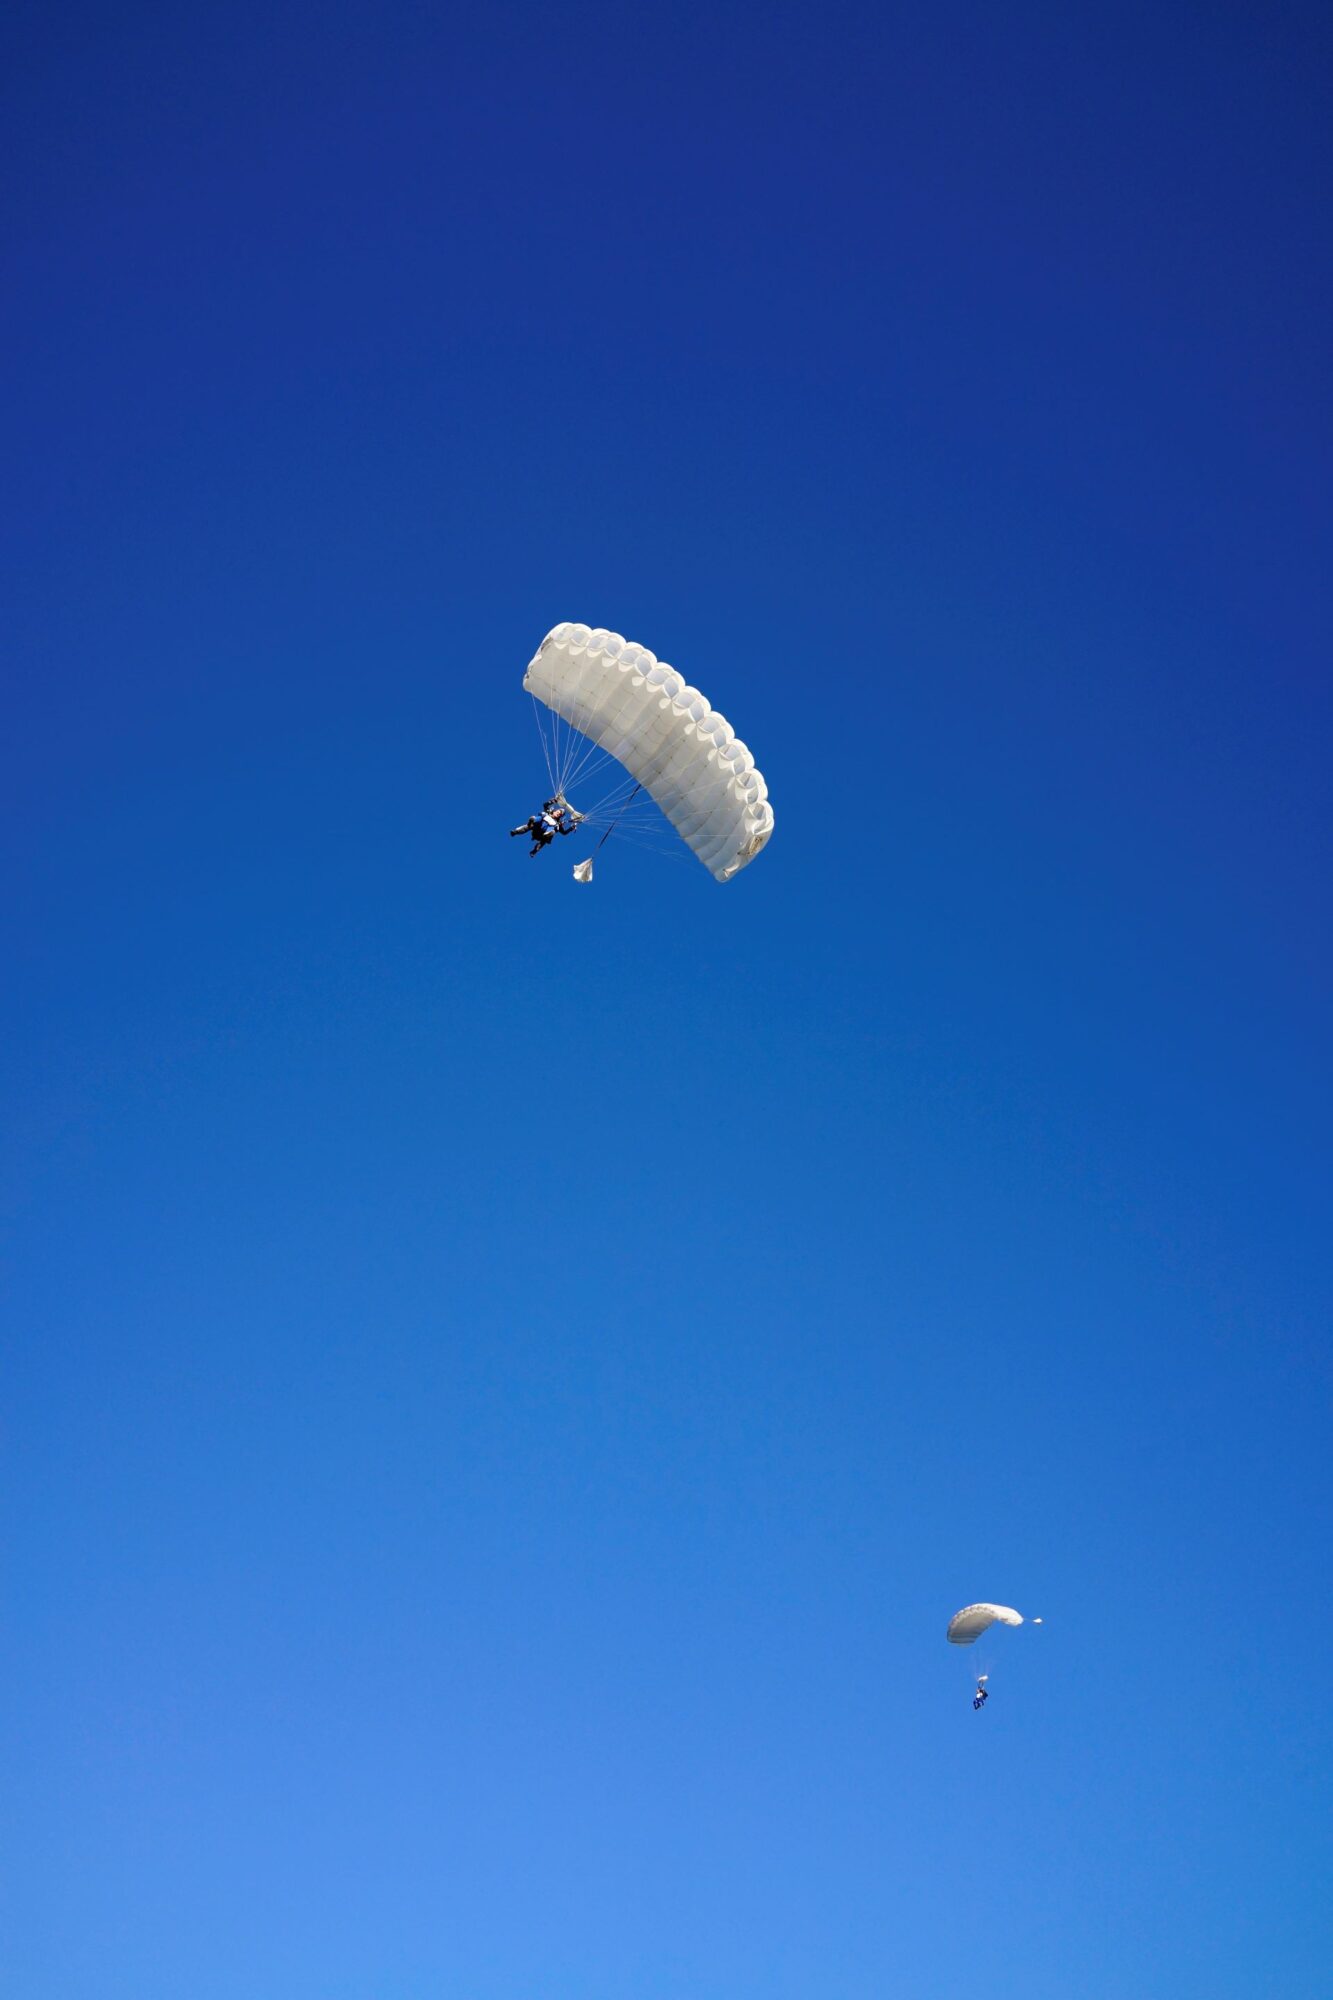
{"points": [[505, 1384]]}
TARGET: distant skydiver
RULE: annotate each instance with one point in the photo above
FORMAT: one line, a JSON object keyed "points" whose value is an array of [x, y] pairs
{"points": [[982, 1695], [556, 816]]}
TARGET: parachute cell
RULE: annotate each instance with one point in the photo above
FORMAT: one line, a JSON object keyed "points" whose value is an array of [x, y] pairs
{"points": [[968, 1624], [664, 733]]}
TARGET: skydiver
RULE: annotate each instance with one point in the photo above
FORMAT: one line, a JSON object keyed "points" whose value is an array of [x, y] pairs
{"points": [[555, 817], [982, 1695], [540, 827]]}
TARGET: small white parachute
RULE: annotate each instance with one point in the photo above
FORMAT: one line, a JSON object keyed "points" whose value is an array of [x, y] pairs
{"points": [[583, 870], [967, 1625], [625, 704]]}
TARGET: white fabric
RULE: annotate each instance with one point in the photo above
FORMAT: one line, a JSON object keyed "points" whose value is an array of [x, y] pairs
{"points": [[583, 871], [974, 1619], [665, 734]]}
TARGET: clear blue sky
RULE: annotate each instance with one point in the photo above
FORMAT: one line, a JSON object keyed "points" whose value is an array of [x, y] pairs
{"points": [[505, 1383]]}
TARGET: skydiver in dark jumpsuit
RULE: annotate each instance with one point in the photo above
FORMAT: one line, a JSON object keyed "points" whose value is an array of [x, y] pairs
{"points": [[555, 817]]}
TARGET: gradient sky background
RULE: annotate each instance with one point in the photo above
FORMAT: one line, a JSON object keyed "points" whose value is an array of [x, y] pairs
{"points": [[506, 1382]]}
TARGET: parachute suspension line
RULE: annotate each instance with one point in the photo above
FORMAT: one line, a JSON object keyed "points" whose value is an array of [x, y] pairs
{"points": [[636, 819], [576, 769], [620, 794], [568, 748], [553, 747], [611, 803], [577, 750], [561, 751], [653, 844], [569, 757], [593, 758], [547, 757], [615, 822], [557, 752], [561, 755]]}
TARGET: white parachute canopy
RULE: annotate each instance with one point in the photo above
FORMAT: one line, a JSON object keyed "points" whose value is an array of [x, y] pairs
{"points": [[583, 871], [967, 1625], [676, 747]]}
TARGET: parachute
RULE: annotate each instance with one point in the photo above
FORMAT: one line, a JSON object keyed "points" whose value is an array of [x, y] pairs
{"points": [[974, 1622], [677, 749], [967, 1625]]}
